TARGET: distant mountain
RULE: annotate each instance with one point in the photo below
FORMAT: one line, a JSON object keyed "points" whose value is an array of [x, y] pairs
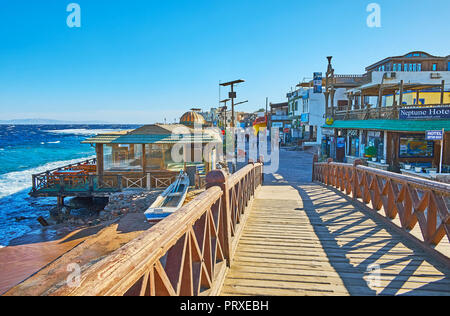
{"points": [[47, 122]]}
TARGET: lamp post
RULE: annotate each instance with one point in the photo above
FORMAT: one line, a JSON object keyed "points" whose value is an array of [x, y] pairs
{"points": [[232, 96]]}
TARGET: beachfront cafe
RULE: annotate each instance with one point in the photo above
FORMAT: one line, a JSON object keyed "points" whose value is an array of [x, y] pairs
{"points": [[134, 159]]}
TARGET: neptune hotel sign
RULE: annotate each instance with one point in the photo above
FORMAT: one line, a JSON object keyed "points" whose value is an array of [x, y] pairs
{"points": [[425, 113]]}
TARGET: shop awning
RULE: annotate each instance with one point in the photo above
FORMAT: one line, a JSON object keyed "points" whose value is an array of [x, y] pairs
{"points": [[392, 125]]}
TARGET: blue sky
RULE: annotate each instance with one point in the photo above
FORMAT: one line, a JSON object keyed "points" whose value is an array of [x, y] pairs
{"points": [[142, 61]]}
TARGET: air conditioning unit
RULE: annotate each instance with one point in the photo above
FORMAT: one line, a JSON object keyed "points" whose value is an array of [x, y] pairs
{"points": [[435, 75]]}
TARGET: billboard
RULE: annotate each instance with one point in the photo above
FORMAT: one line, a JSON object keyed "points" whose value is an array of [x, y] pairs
{"points": [[317, 82]]}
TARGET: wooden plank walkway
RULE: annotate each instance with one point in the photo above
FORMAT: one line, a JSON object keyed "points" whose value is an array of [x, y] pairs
{"points": [[304, 239]]}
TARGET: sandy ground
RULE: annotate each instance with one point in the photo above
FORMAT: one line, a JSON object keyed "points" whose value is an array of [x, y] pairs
{"points": [[40, 262]]}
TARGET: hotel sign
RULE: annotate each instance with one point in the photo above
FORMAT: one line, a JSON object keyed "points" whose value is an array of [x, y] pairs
{"points": [[434, 135], [425, 113]]}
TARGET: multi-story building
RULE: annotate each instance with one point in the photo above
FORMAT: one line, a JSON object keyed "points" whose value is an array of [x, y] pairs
{"points": [[387, 118], [279, 118], [307, 107]]}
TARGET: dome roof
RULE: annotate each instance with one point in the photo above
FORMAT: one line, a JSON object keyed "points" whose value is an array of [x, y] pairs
{"points": [[192, 117]]}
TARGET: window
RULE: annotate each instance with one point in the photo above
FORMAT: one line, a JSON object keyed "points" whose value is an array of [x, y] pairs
{"points": [[419, 67], [415, 67], [305, 106], [120, 157], [405, 67], [410, 67], [434, 67], [296, 105], [158, 156], [395, 67]]}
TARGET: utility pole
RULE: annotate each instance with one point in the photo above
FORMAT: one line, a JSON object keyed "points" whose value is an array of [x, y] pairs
{"points": [[232, 96]]}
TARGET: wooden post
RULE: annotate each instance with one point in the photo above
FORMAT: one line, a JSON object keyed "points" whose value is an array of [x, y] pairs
{"points": [[34, 183], [349, 106], [355, 181], [417, 96], [149, 181], [144, 159], [442, 151], [261, 161], [315, 160], [380, 99], [60, 200], [91, 183], [100, 163], [219, 178], [442, 91], [326, 103], [400, 103], [329, 161], [119, 182]]}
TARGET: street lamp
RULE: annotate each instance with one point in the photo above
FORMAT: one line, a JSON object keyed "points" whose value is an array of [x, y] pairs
{"points": [[232, 96]]}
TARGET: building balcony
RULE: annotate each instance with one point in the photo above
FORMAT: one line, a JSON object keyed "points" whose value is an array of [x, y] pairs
{"points": [[384, 113]]}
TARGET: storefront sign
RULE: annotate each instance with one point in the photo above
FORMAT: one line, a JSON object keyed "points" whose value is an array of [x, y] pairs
{"points": [[277, 124], [434, 135], [317, 82], [425, 113]]}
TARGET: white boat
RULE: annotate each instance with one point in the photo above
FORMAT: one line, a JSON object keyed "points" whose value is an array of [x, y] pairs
{"points": [[170, 200]]}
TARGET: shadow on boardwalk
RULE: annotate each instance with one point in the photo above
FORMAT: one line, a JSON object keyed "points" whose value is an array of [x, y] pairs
{"points": [[303, 238]]}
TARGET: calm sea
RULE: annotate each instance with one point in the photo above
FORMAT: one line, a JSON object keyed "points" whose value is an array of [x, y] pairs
{"points": [[29, 149]]}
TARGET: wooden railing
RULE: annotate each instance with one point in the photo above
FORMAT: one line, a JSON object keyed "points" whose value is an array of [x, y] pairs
{"points": [[186, 254], [50, 184], [44, 179], [385, 112], [413, 200]]}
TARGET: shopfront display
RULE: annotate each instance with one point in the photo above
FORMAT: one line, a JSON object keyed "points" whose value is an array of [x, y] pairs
{"points": [[375, 144], [415, 146]]}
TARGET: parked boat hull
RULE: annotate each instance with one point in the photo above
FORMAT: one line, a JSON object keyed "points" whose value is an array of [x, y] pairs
{"points": [[169, 201]]}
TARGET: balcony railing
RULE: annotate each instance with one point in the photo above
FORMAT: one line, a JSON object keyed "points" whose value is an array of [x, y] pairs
{"points": [[384, 113]]}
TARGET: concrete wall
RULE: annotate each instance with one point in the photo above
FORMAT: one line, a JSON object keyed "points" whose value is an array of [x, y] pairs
{"points": [[423, 77]]}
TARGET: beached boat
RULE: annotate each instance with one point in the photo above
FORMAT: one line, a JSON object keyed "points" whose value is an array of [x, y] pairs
{"points": [[170, 200]]}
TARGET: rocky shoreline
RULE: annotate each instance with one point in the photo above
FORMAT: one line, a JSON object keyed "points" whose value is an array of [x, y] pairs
{"points": [[91, 212]]}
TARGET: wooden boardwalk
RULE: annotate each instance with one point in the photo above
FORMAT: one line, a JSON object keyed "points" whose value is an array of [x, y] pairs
{"points": [[304, 239]]}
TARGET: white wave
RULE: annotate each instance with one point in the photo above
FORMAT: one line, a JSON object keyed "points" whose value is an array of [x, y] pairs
{"points": [[17, 181], [57, 142], [83, 131]]}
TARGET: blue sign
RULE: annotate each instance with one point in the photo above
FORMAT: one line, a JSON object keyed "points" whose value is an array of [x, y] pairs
{"points": [[425, 113], [435, 135], [305, 118], [317, 82]]}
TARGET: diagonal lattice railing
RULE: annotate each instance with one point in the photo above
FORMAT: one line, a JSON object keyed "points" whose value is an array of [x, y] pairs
{"points": [[186, 254], [413, 200]]}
